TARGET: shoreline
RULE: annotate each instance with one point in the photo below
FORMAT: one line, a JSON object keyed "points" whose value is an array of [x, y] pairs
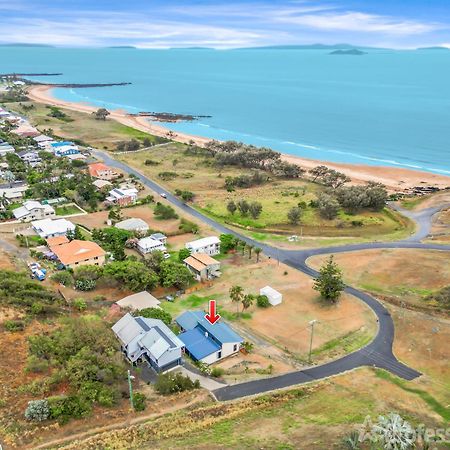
{"points": [[395, 178]]}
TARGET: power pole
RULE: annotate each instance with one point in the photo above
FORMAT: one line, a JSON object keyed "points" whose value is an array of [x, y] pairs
{"points": [[312, 323], [130, 387]]}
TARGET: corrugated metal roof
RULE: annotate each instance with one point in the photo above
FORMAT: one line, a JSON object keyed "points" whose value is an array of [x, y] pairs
{"points": [[221, 331], [197, 344]]}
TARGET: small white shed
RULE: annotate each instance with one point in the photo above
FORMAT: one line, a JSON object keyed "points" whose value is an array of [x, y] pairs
{"points": [[275, 297]]}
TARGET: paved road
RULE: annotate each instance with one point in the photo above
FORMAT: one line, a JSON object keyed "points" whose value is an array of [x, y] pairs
{"points": [[376, 354]]}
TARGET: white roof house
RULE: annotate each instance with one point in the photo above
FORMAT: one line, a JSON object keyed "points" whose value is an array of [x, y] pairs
{"points": [[138, 301], [32, 209], [51, 228], [275, 297], [209, 245], [148, 245], [133, 225], [150, 340], [120, 195]]}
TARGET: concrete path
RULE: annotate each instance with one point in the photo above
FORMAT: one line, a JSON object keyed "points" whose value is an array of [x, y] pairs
{"points": [[205, 382], [376, 354]]}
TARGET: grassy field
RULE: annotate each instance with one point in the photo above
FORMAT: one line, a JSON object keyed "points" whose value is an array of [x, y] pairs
{"points": [[407, 275], [80, 126], [67, 210]]}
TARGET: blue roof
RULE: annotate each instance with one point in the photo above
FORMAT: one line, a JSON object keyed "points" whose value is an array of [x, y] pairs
{"points": [[220, 330], [61, 144], [197, 344]]}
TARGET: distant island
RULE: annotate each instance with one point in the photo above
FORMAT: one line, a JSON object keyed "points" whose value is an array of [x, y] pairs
{"points": [[353, 51], [434, 48], [122, 46], [306, 47], [18, 44]]}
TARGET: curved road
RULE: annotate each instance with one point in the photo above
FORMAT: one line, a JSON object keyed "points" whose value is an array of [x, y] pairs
{"points": [[376, 354]]}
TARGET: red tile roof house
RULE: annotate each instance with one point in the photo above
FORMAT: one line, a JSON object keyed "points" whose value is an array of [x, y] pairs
{"points": [[102, 171]]}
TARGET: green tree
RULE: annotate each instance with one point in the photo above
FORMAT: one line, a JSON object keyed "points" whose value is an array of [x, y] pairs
{"points": [[175, 274], [237, 295], [183, 254], [257, 251], [101, 114], [134, 274], [227, 242], [255, 209], [250, 247], [155, 313], [329, 282], [247, 301], [294, 215], [328, 206], [231, 207], [262, 301]]}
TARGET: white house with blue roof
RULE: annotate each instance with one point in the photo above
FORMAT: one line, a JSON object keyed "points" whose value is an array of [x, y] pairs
{"points": [[149, 340], [64, 148], [206, 342]]}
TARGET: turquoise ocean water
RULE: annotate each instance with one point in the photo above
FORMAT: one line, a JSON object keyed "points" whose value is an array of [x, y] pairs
{"points": [[383, 108]]}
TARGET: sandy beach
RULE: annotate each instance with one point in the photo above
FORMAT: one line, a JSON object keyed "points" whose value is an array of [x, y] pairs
{"points": [[396, 179]]}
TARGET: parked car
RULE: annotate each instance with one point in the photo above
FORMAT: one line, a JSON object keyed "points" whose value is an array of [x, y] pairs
{"points": [[163, 195]]}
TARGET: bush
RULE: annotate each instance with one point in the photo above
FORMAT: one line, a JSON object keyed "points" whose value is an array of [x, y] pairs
{"points": [[36, 365], [156, 313], [183, 254], [165, 212], [188, 227], [80, 304], [14, 325], [65, 278], [171, 383], [139, 401], [64, 408], [217, 372], [37, 410], [85, 285], [262, 301]]}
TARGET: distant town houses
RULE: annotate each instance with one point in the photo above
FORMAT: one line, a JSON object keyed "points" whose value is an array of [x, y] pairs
{"points": [[203, 266], [33, 210], [205, 342], [148, 245], [209, 245], [134, 225], [30, 157], [102, 172], [148, 340], [5, 148], [122, 196], [78, 253], [46, 228], [13, 191], [43, 141]]}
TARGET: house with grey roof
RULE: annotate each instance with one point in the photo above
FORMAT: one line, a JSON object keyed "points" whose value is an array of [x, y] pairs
{"points": [[133, 224], [149, 340], [204, 341]]}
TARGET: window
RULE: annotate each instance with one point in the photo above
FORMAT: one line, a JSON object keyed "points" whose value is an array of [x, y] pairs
{"points": [[219, 354], [235, 347]]}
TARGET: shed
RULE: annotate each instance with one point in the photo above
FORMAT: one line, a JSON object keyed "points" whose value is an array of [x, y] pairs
{"points": [[138, 301], [275, 297]]}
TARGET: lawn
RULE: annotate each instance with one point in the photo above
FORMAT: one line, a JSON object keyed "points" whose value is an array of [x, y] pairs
{"points": [[67, 210], [407, 275]]}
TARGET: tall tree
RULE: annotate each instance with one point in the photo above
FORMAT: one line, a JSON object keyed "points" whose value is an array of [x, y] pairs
{"points": [[101, 114], [294, 215], [231, 207], [237, 295], [247, 301], [257, 251], [329, 281]]}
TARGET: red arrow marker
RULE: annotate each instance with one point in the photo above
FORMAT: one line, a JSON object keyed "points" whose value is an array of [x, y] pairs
{"points": [[212, 317]]}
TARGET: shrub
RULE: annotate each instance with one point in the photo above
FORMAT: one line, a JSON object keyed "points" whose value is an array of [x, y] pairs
{"points": [[167, 176], [183, 254], [247, 346], [64, 408], [37, 410], [80, 304], [139, 401], [36, 365], [14, 325], [170, 383], [217, 372], [165, 212], [262, 301], [85, 285], [188, 227], [156, 313], [65, 278]]}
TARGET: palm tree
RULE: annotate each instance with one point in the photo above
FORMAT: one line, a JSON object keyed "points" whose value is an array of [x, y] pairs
{"points": [[257, 250], [247, 301], [250, 248], [242, 244], [394, 432], [237, 295]]}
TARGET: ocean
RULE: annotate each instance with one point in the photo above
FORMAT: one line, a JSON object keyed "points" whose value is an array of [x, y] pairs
{"points": [[386, 107]]}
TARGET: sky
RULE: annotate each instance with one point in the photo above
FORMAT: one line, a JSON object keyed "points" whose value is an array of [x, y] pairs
{"points": [[225, 24]]}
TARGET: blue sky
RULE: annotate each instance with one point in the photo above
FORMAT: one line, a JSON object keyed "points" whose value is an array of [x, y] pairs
{"points": [[225, 24]]}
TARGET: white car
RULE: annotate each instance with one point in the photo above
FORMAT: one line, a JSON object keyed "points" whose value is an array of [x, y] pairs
{"points": [[166, 255], [163, 195]]}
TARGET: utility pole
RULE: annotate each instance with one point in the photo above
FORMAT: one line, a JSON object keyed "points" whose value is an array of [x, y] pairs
{"points": [[130, 387], [312, 323]]}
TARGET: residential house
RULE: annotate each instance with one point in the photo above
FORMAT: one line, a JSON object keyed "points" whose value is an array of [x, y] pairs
{"points": [[136, 225], [102, 171], [209, 245], [26, 130], [148, 340], [159, 237], [79, 253], [100, 184], [202, 266], [58, 240], [274, 297], [33, 210], [48, 228], [148, 245], [138, 301], [31, 157], [63, 148], [13, 191], [43, 141], [5, 148], [206, 342], [122, 196]]}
